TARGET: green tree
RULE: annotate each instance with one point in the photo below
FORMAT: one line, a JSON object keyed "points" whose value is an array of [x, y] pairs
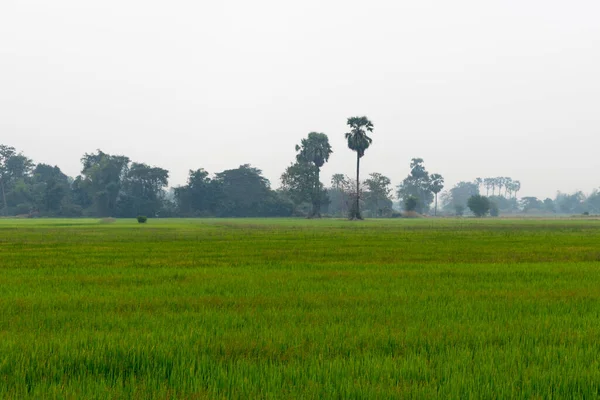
{"points": [[479, 205], [418, 185], [459, 195], [314, 150], [51, 187], [143, 190], [411, 203], [436, 184], [298, 181], [378, 194], [201, 195], [104, 174], [358, 141], [14, 167]]}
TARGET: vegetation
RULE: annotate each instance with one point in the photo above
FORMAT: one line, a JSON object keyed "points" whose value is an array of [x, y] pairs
{"points": [[358, 141], [114, 186], [479, 205], [299, 309]]}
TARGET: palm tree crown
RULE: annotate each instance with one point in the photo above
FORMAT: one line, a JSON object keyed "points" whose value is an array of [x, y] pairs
{"points": [[357, 137]]}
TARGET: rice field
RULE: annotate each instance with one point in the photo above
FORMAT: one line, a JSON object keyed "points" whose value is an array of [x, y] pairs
{"points": [[281, 309]]}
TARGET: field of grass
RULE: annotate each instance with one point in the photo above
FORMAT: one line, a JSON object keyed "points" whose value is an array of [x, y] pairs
{"points": [[255, 309]]}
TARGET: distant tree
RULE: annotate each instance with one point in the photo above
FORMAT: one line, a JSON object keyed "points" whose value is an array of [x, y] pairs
{"points": [[378, 194], [298, 181], [358, 141], [593, 202], [479, 205], [104, 174], [410, 203], [14, 167], [338, 195], [529, 204], [244, 192], [549, 205], [459, 210], [51, 187], [6, 153], [436, 184], [418, 185], [314, 151], [494, 210], [143, 190], [337, 180], [570, 203], [459, 195]]}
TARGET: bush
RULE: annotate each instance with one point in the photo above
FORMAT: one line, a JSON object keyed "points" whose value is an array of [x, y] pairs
{"points": [[141, 219], [479, 205]]}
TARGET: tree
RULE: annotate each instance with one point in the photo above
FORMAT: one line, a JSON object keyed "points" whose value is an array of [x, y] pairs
{"points": [[105, 174], [529, 204], [459, 195], [340, 194], [436, 184], [410, 203], [479, 205], [143, 190], [298, 181], [51, 188], [13, 167], [6, 153], [358, 141], [314, 151], [243, 191], [418, 185], [378, 195]]}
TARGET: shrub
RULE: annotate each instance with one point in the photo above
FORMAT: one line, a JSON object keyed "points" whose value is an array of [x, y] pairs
{"points": [[479, 205], [142, 219]]}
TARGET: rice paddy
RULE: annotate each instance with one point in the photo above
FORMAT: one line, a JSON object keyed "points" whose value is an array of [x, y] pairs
{"points": [[257, 308]]}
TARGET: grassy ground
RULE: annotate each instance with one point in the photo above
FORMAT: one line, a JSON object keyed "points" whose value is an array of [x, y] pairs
{"points": [[300, 309]]}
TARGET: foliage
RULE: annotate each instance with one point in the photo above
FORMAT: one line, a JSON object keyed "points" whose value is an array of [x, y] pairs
{"points": [[419, 185], [378, 194], [411, 203], [457, 197], [479, 205], [302, 179], [142, 219]]}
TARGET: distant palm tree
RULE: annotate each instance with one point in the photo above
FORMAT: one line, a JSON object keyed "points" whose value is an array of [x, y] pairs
{"points": [[315, 149], [436, 184], [358, 141]]}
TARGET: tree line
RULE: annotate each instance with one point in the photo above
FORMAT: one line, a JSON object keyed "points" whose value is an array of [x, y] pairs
{"points": [[115, 186]]}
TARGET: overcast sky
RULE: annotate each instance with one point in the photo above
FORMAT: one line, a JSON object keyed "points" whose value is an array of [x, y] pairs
{"points": [[476, 88]]}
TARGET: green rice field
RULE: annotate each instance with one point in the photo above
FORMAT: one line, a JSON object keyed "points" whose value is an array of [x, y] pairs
{"points": [[285, 309]]}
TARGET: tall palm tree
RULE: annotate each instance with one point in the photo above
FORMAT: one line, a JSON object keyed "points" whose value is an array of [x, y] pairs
{"points": [[358, 141], [315, 150], [436, 184]]}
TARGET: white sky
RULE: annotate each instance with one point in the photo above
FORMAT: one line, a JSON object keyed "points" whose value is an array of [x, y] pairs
{"points": [[476, 88]]}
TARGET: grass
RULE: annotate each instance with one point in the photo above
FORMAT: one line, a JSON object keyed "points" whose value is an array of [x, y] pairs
{"points": [[300, 309]]}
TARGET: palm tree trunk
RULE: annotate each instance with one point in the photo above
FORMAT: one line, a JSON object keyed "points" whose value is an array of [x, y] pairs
{"points": [[357, 210], [316, 198], [435, 205]]}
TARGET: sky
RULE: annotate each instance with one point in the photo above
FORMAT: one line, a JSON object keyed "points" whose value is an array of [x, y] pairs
{"points": [[475, 88]]}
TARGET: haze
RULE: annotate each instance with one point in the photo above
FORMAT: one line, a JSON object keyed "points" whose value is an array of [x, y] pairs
{"points": [[502, 88]]}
